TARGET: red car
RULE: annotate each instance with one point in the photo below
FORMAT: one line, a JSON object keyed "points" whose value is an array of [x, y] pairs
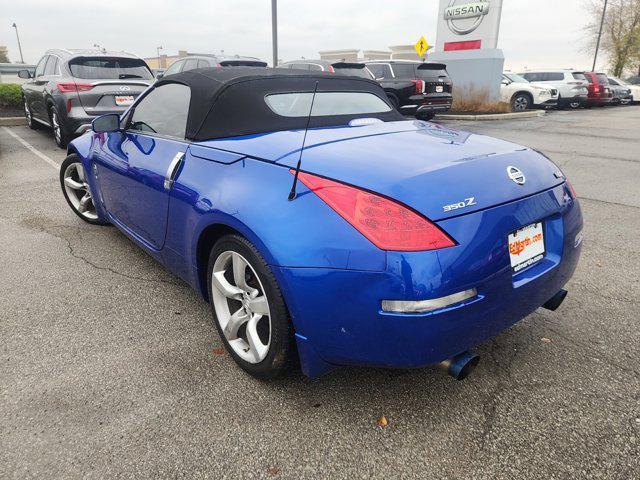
{"points": [[599, 91]]}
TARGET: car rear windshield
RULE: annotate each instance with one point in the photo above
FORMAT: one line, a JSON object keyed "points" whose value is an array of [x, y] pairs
{"points": [[404, 70], [431, 72], [356, 72], [326, 104], [579, 76], [602, 78], [109, 68]]}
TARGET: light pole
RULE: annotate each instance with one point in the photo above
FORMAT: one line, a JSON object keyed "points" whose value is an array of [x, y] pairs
{"points": [[158, 51], [274, 30], [19, 46], [595, 57]]}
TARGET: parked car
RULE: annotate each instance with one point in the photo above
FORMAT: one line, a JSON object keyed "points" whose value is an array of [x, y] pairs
{"points": [[341, 68], [370, 240], [621, 93], [420, 89], [211, 61], [635, 89], [522, 94], [572, 85], [600, 93], [69, 88]]}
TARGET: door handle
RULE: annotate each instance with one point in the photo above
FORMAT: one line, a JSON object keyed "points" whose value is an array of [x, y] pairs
{"points": [[171, 171]]}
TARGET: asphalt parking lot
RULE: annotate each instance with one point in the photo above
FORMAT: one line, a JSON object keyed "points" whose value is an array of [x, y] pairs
{"points": [[111, 366]]}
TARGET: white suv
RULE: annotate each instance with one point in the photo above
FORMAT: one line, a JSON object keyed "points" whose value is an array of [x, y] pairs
{"points": [[522, 94], [572, 85]]}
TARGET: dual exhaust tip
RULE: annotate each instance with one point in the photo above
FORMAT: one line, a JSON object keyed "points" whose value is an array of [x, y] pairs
{"points": [[460, 366]]}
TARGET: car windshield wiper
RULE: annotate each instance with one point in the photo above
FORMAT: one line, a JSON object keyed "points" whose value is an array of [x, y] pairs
{"points": [[129, 75]]}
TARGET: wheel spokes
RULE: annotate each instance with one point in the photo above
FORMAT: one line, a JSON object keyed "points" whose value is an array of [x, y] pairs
{"points": [[239, 272], [259, 305], [71, 183], [80, 170], [234, 323], [83, 206], [257, 349], [224, 287]]}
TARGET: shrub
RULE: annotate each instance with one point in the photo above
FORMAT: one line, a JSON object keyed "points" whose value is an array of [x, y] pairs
{"points": [[10, 95], [476, 101]]}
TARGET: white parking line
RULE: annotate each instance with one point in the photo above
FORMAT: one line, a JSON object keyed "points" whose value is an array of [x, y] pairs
{"points": [[33, 149]]}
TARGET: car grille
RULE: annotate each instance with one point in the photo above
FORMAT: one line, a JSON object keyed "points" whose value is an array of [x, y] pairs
{"points": [[554, 92]]}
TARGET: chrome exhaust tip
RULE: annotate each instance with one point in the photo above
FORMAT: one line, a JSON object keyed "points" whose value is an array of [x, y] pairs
{"points": [[460, 366], [554, 302]]}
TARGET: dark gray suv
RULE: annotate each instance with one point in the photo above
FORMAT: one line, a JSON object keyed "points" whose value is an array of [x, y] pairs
{"points": [[69, 88]]}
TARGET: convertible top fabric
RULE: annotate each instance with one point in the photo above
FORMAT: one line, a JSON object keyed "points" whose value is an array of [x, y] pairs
{"points": [[228, 102]]}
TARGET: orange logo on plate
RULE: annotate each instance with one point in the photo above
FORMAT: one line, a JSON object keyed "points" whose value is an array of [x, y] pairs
{"points": [[519, 246]]}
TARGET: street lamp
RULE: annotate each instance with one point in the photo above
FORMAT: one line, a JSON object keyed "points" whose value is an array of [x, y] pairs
{"points": [[595, 57], [158, 52], [19, 46], [274, 30]]}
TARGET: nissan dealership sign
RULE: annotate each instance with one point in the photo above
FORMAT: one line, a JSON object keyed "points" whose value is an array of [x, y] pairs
{"points": [[464, 25]]}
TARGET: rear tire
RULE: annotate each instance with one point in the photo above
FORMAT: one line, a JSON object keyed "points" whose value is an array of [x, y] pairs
{"points": [[60, 134], [248, 309], [426, 116]]}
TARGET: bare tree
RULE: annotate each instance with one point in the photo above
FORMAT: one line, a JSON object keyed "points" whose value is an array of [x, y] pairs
{"points": [[620, 33]]}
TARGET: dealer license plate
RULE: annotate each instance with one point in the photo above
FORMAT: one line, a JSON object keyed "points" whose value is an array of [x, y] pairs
{"points": [[124, 100], [439, 89], [526, 246]]}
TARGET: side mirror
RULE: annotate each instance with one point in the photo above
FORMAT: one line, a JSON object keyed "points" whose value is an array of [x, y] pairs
{"points": [[24, 74], [505, 82], [159, 74], [106, 123]]}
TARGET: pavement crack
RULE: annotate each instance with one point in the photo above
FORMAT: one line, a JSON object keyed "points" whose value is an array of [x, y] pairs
{"points": [[49, 230]]}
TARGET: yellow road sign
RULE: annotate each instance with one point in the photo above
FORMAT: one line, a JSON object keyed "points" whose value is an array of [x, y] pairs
{"points": [[421, 46]]}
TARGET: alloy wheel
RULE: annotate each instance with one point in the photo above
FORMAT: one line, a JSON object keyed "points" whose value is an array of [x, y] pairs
{"points": [[27, 113], [241, 306], [77, 190], [56, 126], [521, 103]]}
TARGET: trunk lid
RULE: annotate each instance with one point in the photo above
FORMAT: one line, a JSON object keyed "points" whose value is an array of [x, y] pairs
{"points": [[109, 96], [423, 165]]}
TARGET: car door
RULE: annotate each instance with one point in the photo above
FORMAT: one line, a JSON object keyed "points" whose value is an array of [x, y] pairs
{"points": [[136, 167], [35, 91]]}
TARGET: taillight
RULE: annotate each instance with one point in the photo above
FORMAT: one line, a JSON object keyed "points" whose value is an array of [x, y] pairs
{"points": [[68, 105], [418, 86], [331, 69], [74, 87], [386, 223], [574, 195], [596, 89]]}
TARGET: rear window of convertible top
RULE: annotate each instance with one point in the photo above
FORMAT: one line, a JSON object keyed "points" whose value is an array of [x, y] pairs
{"points": [[325, 104]]}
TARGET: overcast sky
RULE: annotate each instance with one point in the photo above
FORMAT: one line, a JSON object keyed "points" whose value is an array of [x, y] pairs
{"points": [[532, 34]]}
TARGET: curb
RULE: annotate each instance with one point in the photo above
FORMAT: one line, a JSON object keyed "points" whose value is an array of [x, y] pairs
{"points": [[12, 121], [493, 116]]}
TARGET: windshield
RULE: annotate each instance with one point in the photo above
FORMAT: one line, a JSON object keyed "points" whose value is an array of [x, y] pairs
{"points": [[602, 78], [514, 77], [326, 104], [356, 72], [109, 68]]}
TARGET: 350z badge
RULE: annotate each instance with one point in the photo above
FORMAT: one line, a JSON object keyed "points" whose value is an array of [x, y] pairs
{"points": [[456, 206]]}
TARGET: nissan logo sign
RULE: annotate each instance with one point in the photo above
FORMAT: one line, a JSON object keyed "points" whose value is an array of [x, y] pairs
{"points": [[516, 175], [125, 88], [457, 16]]}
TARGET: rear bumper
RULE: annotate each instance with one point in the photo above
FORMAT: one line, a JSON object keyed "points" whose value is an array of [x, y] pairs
{"points": [[548, 104], [338, 316], [428, 103], [575, 99]]}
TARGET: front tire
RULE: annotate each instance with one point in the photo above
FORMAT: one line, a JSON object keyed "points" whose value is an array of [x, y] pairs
{"points": [[426, 116], [248, 308], [520, 102], [75, 189], [60, 134], [31, 123]]}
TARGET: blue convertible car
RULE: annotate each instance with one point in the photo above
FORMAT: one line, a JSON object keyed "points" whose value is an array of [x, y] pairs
{"points": [[323, 226]]}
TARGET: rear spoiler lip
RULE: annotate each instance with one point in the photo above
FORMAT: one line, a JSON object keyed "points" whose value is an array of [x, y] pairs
{"points": [[125, 81], [432, 66], [242, 63], [358, 66]]}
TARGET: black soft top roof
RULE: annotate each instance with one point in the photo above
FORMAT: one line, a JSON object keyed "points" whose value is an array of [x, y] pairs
{"points": [[227, 102]]}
